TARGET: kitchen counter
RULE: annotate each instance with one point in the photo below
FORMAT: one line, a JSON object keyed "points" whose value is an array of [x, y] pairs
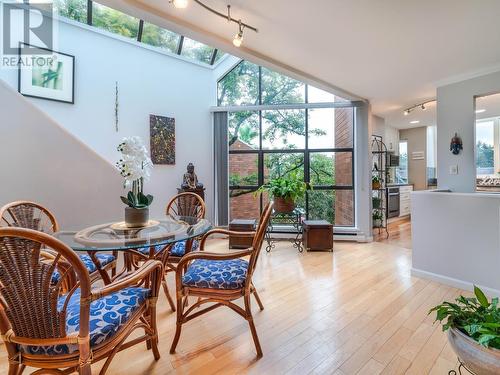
{"points": [[396, 185]]}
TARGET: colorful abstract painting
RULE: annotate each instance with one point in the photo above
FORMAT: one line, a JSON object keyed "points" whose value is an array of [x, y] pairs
{"points": [[162, 135]]}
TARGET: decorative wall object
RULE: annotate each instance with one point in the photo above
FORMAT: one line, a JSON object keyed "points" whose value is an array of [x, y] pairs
{"points": [[162, 135], [116, 106], [456, 145], [51, 75]]}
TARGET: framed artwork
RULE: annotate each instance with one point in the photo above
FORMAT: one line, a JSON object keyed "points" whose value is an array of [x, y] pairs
{"points": [[162, 138], [50, 75]]}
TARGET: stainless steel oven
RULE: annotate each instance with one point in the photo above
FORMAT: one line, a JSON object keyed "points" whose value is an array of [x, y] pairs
{"points": [[393, 202]]}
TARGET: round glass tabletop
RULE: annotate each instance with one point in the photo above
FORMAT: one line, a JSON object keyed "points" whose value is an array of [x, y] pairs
{"points": [[115, 236]]}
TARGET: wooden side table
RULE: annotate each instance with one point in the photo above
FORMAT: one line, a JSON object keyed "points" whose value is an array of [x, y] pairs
{"points": [[318, 235], [241, 225]]}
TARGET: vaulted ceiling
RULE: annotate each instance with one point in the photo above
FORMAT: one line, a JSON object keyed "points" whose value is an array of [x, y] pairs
{"points": [[391, 52]]}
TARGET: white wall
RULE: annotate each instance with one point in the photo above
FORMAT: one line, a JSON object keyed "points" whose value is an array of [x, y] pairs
{"points": [[149, 83], [455, 239], [455, 113], [40, 161]]}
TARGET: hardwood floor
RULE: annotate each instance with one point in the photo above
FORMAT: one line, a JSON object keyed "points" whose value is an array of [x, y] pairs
{"points": [[399, 233], [356, 311]]}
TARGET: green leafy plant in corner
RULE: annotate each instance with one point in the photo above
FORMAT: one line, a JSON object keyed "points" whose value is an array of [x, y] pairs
{"points": [[289, 187], [476, 317], [376, 202]]}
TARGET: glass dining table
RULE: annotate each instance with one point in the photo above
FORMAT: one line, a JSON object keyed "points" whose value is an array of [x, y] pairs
{"points": [[118, 238]]}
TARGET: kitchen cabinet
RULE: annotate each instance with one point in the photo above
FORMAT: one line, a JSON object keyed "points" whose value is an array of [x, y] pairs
{"points": [[405, 200]]}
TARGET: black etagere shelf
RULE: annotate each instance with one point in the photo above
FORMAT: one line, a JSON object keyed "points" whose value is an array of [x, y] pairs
{"points": [[379, 185]]}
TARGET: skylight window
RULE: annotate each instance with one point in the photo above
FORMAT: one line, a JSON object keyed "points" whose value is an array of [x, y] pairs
{"points": [[114, 21], [159, 37], [197, 51], [73, 9], [117, 22]]}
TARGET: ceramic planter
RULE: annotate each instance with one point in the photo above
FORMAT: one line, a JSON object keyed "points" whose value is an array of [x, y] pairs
{"points": [[136, 217], [377, 223], [477, 358], [283, 205]]}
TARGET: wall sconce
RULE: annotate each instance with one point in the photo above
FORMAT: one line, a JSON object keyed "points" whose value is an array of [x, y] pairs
{"points": [[456, 145]]}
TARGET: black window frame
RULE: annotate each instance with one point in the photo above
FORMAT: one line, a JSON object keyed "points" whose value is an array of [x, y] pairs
{"points": [[260, 152]]}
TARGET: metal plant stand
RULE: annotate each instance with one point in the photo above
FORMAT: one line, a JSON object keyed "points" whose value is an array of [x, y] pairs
{"points": [[379, 170], [293, 218], [461, 367]]}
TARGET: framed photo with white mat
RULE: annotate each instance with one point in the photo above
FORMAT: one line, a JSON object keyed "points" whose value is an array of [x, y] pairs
{"points": [[46, 74]]}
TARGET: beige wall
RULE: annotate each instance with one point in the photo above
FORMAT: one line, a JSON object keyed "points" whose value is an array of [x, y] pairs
{"points": [[417, 169]]}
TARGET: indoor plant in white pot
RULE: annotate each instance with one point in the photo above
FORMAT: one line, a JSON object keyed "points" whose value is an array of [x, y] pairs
{"points": [[135, 167], [473, 326]]}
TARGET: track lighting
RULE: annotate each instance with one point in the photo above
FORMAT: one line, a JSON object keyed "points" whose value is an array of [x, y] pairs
{"points": [[180, 4], [238, 38], [422, 106]]}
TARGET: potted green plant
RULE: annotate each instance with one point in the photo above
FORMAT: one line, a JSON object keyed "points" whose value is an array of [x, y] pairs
{"points": [[135, 167], [377, 217], [376, 202], [473, 325], [376, 184], [285, 191]]}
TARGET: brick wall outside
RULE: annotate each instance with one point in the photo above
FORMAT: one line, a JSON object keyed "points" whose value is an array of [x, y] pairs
{"points": [[344, 203], [244, 206]]}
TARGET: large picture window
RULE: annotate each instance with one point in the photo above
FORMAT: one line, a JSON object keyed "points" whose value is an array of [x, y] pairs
{"points": [[313, 144]]}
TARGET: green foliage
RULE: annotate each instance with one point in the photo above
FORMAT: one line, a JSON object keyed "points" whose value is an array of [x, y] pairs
{"points": [[137, 200], [485, 155], [286, 187], [72, 9], [159, 37], [114, 21], [377, 215], [476, 317], [376, 202], [248, 180], [375, 179]]}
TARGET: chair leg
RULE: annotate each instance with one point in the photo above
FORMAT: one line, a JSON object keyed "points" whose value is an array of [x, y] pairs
{"points": [[85, 369], [167, 293], [178, 326], [257, 298], [13, 368], [249, 318], [153, 343]]}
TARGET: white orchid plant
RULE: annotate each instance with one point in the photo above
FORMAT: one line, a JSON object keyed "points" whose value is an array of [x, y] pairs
{"points": [[135, 167]]}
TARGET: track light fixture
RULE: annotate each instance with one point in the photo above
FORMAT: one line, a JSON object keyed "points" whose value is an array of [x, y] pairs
{"points": [[180, 4], [238, 38], [422, 106]]}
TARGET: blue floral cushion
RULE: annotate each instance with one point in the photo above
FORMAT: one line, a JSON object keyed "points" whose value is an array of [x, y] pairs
{"points": [[107, 315], [178, 250], [104, 259], [216, 274]]}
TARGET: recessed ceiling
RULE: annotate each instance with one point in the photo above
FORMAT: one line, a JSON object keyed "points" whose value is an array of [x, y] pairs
{"points": [[391, 52]]}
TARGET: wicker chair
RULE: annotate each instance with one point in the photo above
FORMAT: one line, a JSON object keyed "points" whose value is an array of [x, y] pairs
{"points": [[183, 204], [30, 215], [62, 333], [220, 279]]}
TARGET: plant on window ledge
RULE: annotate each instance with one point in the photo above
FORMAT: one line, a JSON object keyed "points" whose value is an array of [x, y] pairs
{"points": [[285, 191], [135, 167], [473, 325]]}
